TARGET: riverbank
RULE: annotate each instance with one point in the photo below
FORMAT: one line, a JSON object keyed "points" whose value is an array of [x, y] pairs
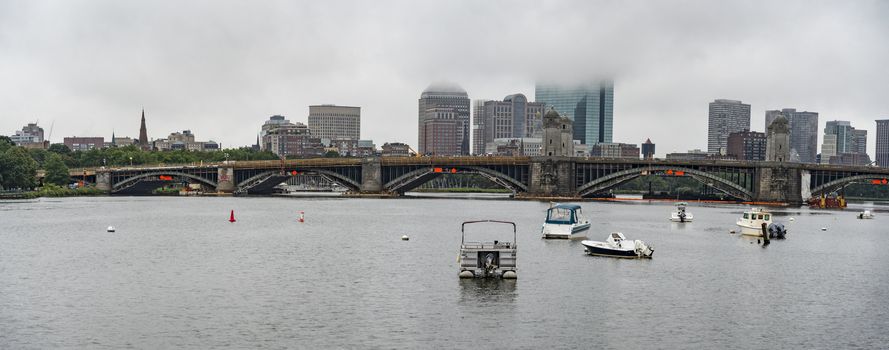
{"points": [[54, 191]]}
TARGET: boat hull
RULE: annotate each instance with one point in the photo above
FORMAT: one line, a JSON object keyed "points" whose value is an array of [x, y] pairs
{"points": [[603, 250], [563, 231]]}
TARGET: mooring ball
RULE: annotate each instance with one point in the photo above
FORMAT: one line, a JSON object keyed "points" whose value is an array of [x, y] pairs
{"points": [[509, 275], [466, 274]]}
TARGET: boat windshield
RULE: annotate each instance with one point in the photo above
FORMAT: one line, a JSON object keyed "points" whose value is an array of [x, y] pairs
{"points": [[767, 217], [746, 216], [560, 216]]}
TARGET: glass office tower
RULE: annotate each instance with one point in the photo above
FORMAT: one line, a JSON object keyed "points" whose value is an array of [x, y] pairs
{"points": [[590, 106]]}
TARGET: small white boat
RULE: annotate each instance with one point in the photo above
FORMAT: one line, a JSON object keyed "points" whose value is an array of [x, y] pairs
{"points": [[564, 221], [618, 246], [866, 215], [681, 215], [752, 220]]}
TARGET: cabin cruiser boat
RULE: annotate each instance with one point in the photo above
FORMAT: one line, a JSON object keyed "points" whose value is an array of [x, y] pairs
{"points": [[618, 246], [680, 215], [487, 259], [564, 221], [866, 215], [751, 222]]}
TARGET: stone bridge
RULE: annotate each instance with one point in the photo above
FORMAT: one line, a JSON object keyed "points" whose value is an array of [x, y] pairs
{"points": [[525, 176]]}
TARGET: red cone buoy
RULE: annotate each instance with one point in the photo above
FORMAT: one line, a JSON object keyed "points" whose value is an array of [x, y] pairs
{"points": [[232, 217], [302, 216]]}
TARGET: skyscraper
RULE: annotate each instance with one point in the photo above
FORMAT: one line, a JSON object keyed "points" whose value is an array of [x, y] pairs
{"points": [[590, 106], [514, 118], [648, 149], [843, 140], [335, 122], [143, 135], [803, 133], [726, 117], [443, 107], [882, 153]]}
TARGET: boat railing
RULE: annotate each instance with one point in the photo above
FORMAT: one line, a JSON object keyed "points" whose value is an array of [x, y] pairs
{"points": [[463, 228], [489, 245]]}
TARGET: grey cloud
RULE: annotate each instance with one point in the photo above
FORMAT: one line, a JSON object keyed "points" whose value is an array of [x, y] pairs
{"points": [[221, 67]]}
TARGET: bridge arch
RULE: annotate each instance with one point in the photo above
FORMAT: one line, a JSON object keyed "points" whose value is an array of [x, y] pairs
{"points": [[131, 181], [272, 175], [843, 182], [617, 178], [420, 176]]}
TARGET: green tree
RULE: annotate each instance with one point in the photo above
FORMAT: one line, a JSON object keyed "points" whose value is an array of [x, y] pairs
{"points": [[56, 170], [18, 169], [5, 143], [59, 148]]}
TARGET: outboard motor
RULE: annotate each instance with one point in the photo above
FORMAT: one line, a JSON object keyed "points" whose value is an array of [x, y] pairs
{"points": [[777, 231], [490, 263], [682, 216]]}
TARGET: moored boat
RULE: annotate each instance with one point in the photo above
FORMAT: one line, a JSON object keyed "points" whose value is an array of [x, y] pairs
{"points": [[867, 214], [487, 259], [751, 222], [616, 245], [564, 221], [681, 215]]}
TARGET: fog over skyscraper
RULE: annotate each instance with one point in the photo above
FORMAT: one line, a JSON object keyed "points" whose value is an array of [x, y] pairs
{"points": [[443, 120], [590, 106]]}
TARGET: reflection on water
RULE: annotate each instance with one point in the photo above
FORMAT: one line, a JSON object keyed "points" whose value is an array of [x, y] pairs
{"points": [[487, 290]]}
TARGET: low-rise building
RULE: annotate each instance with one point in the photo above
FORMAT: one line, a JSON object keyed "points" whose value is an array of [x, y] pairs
{"points": [[184, 140], [614, 150], [289, 139], [76, 143], [31, 136], [747, 145], [396, 149], [525, 146]]}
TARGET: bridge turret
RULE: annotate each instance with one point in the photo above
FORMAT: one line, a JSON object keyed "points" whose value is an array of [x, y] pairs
{"points": [[778, 140]]}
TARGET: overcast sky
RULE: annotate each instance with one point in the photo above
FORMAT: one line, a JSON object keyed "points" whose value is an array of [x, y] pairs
{"points": [[221, 68]]}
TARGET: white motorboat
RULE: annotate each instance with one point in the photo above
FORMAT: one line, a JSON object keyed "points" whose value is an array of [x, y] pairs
{"points": [[751, 222], [616, 245], [487, 259], [866, 215], [564, 221], [681, 215]]}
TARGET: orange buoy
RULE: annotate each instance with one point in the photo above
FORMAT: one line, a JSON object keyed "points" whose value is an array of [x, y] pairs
{"points": [[231, 218], [302, 216]]}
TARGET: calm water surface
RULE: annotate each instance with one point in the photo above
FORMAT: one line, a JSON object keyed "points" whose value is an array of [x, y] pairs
{"points": [[178, 275]]}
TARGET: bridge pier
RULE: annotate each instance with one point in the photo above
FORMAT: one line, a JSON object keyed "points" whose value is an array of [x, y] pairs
{"points": [[103, 181], [226, 179], [371, 175], [552, 177], [779, 182]]}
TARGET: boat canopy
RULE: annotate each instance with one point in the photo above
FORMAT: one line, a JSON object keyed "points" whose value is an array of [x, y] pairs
{"points": [[562, 214], [567, 206]]}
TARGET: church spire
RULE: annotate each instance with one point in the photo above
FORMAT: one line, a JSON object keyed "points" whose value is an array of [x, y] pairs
{"points": [[143, 134]]}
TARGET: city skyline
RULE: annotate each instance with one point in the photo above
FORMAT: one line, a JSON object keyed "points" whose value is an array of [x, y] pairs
{"points": [[65, 68]]}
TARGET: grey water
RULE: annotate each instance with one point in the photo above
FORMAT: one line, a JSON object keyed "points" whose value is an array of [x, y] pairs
{"points": [[177, 274]]}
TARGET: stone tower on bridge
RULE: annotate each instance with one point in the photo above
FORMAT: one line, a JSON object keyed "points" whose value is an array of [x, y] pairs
{"points": [[553, 173], [780, 182]]}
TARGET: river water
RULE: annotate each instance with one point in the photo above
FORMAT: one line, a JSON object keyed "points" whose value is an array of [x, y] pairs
{"points": [[177, 274]]}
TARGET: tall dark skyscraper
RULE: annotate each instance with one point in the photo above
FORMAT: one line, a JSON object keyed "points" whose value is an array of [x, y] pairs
{"points": [[143, 135], [590, 106], [803, 133], [443, 120], [882, 153]]}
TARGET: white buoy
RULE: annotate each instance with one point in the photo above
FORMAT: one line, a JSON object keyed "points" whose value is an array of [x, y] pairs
{"points": [[510, 275], [466, 274], [405, 237], [110, 228], [824, 229], [791, 219]]}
